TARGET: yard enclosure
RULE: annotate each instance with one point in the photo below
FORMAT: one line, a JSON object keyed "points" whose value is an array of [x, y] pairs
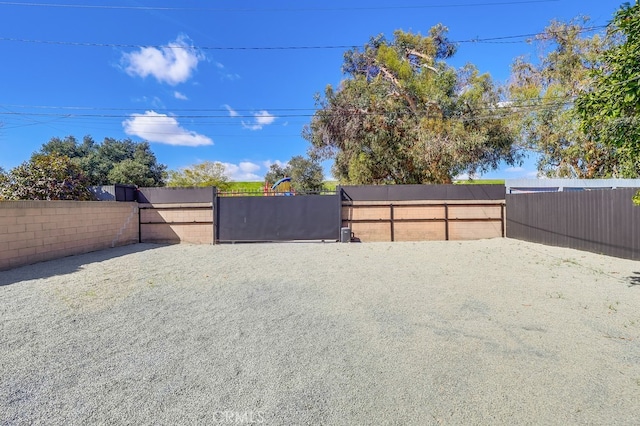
{"points": [[373, 213], [603, 221]]}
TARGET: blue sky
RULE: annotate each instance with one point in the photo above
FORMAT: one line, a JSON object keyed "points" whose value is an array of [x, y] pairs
{"points": [[208, 80]]}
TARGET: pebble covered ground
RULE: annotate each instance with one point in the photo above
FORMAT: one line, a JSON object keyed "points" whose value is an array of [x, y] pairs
{"points": [[475, 332]]}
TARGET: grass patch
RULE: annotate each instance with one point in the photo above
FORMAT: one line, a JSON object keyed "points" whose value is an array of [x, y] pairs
{"points": [[246, 186], [331, 185], [480, 182], [258, 186]]}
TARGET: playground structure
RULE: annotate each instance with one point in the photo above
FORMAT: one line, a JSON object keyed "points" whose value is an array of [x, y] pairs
{"points": [[281, 187]]}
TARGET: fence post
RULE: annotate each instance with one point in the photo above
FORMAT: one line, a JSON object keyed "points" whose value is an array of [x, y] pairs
{"points": [[214, 221], [446, 222], [392, 223], [502, 218], [139, 225], [339, 195]]}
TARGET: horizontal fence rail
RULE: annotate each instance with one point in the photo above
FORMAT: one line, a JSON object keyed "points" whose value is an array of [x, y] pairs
{"points": [[272, 193], [422, 192]]}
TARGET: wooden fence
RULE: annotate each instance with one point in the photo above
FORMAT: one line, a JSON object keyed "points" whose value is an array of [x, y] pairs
{"points": [[424, 212]]}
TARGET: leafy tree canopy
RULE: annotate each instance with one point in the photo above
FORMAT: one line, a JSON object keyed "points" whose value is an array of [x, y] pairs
{"points": [[277, 172], [610, 110], [111, 162], [207, 173], [404, 116], [3, 180], [306, 174], [542, 94], [46, 177]]}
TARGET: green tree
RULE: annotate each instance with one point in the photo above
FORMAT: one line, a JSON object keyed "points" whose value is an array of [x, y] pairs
{"points": [[306, 174], [131, 172], [404, 116], [207, 173], [46, 177], [277, 172], [542, 94], [111, 162], [610, 110], [3, 180]]}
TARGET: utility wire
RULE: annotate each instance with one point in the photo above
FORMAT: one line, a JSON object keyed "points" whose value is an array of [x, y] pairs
{"points": [[499, 39], [301, 9], [514, 109], [545, 100], [173, 46]]}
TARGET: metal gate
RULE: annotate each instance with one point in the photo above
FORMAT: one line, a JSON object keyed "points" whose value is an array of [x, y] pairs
{"points": [[278, 218]]}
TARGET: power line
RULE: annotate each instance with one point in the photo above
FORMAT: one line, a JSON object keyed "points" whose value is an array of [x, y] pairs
{"points": [[550, 100], [91, 108], [173, 46], [498, 39], [505, 108], [262, 10]]}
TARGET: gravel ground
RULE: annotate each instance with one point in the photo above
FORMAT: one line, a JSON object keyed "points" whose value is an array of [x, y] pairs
{"points": [[479, 332]]}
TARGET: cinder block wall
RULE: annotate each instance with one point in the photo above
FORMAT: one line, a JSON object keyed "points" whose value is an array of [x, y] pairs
{"points": [[34, 231]]}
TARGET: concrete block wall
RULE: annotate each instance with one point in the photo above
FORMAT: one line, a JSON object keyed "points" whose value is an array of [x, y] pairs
{"points": [[34, 231]]}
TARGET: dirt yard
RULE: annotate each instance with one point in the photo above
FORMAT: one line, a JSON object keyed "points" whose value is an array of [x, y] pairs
{"points": [[479, 332]]}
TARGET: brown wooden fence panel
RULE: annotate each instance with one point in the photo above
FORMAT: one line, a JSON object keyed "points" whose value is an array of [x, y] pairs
{"points": [[422, 192], [600, 221], [423, 212]]}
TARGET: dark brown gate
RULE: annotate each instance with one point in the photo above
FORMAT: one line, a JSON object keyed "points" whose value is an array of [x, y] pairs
{"points": [[278, 218]]}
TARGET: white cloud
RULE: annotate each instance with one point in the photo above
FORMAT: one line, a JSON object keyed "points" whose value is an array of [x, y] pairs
{"points": [[181, 96], [154, 102], [268, 163], [514, 169], [248, 166], [245, 171], [231, 76], [466, 176], [260, 119], [232, 112], [224, 74], [162, 128], [171, 64]]}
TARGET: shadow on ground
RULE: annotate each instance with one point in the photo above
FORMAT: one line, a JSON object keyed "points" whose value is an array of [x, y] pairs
{"points": [[69, 264], [634, 280]]}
